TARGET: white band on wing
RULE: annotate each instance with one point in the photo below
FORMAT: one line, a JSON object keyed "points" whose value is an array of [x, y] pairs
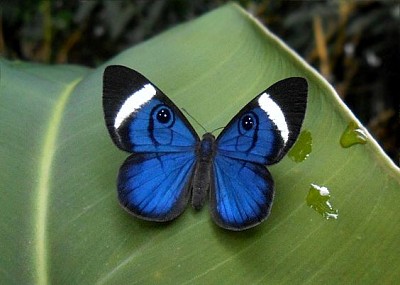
{"points": [[134, 102], [276, 115]]}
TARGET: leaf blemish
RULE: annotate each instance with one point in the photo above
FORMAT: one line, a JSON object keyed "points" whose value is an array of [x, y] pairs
{"points": [[353, 135], [318, 199]]}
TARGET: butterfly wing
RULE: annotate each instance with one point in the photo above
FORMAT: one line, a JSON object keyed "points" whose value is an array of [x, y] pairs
{"points": [[153, 183], [241, 193], [140, 117], [260, 134], [265, 129], [156, 186]]}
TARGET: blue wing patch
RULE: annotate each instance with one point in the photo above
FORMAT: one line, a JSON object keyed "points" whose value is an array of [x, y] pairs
{"points": [[241, 193], [252, 137], [156, 127], [156, 186]]}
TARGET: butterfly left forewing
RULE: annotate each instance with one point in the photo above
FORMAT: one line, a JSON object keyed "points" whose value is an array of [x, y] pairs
{"points": [[131, 104]]}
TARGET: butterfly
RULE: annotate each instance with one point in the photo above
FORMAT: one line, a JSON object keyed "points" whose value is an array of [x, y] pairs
{"points": [[170, 165]]}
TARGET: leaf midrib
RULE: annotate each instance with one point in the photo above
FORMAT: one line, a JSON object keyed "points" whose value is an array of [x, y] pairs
{"points": [[43, 186]]}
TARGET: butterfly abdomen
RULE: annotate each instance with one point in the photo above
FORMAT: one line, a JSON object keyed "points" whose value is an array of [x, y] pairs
{"points": [[202, 173]]}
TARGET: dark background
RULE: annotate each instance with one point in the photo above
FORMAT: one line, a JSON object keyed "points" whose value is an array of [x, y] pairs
{"points": [[354, 44]]}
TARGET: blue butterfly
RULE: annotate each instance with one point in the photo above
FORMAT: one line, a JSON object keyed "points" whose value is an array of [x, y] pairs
{"points": [[170, 165]]}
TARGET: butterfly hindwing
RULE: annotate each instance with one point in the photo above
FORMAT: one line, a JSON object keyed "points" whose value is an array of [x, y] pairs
{"points": [[241, 193], [156, 186], [140, 117], [154, 182], [265, 129]]}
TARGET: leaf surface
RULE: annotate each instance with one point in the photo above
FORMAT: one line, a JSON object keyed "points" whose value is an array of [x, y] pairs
{"points": [[61, 222]]}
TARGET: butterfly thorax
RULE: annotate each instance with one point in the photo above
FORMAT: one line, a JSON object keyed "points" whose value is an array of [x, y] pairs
{"points": [[202, 173], [206, 147]]}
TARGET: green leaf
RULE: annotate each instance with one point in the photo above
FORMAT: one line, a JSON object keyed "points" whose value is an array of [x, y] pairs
{"points": [[60, 221]]}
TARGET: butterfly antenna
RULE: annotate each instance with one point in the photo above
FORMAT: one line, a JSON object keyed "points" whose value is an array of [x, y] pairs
{"points": [[216, 129], [187, 113]]}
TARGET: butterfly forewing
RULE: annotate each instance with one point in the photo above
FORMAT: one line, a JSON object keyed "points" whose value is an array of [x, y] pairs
{"points": [[134, 110], [265, 129]]}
